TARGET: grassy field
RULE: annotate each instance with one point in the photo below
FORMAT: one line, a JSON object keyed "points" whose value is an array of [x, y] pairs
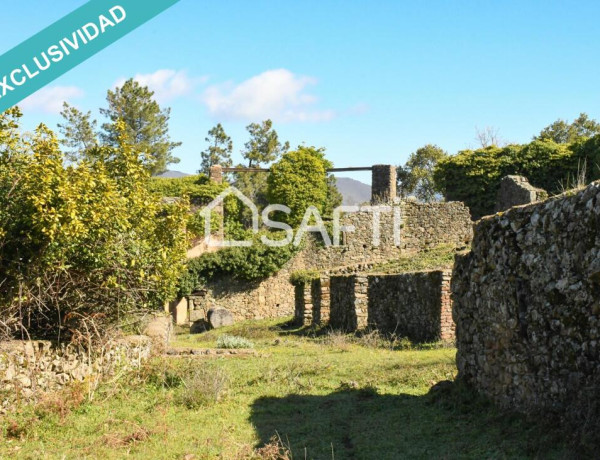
{"points": [[322, 396]]}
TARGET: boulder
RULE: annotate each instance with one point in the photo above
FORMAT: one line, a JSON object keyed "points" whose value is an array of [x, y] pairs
{"points": [[199, 326], [219, 317]]}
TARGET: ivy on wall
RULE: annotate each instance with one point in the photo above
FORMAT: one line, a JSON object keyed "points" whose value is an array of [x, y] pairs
{"points": [[473, 176]]}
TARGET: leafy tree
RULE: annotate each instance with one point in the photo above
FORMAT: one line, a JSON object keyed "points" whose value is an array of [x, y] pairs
{"points": [[264, 146], [79, 132], [81, 244], [146, 124], [416, 176], [334, 197], [473, 176], [299, 180], [218, 151], [563, 132]]}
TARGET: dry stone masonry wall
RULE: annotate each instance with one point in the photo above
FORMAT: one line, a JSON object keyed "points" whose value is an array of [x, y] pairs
{"points": [[516, 191], [527, 303], [422, 226], [30, 368], [348, 308], [413, 305]]}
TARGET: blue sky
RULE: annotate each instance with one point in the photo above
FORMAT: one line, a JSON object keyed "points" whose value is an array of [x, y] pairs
{"points": [[370, 81]]}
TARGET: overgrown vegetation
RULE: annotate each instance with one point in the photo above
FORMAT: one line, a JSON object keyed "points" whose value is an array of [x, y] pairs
{"points": [[199, 189], [299, 180], [437, 258], [473, 176], [250, 263], [554, 161], [300, 277], [300, 397], [80, 243]]}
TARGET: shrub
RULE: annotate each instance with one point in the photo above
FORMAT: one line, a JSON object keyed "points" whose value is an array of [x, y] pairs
{"points": [[246, 263], [299, 180], [204, 387], [301, 277], [233, 341], [83, 243], [473, 176], [197, 188]]}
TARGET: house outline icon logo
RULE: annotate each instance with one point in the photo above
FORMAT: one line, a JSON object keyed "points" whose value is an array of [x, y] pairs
{"points": [[206, 213]]}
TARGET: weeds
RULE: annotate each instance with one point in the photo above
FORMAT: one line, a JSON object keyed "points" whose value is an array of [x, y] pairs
{"points": [[440, 257], [276, 449], [233, 341], [338, 340], [62, 402], [577, 182], [204, 387], [136, 434]]}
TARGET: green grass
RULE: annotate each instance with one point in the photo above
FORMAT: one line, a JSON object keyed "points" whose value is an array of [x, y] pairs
{"points": [[440, 257], [326, 396]]}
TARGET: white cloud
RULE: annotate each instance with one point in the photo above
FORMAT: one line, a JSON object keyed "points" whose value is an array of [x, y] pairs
{"points": [[358, 109], [276, 94], [167, 84], [50, 99]]}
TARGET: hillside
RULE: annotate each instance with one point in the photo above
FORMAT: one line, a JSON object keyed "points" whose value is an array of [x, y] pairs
{"points": [[353, 191]]}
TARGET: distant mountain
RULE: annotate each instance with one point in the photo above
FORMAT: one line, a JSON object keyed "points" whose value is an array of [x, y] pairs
{"points": [[172, 174], [353, 191]]}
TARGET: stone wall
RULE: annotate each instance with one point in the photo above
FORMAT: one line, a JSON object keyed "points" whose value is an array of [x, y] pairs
{"points": [[303, 313], [30, 368], [348, 307], [516, 191], [412, 305], [422, 226], [321, 300], [527, 303]]}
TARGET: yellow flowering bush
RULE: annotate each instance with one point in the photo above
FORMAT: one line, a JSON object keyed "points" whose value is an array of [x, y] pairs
{"points": [[81, 245]]}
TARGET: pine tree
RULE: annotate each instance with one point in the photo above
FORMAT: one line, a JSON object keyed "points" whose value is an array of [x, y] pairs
{"points": [[79, 133], [218, 151], [264, 146], [147, 125]]}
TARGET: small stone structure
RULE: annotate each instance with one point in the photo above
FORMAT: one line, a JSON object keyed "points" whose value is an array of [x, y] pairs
{"points": [[160, 330], [349, 302], [515, 191], [30, 368], [321, 300], [383, 184], [413, 305], [216, 174], [423, 226], [303, 312], [527, 304]]}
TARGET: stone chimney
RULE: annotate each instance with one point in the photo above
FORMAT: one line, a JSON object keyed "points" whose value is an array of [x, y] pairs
{"points": [[216, 174], [383, 184]]}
